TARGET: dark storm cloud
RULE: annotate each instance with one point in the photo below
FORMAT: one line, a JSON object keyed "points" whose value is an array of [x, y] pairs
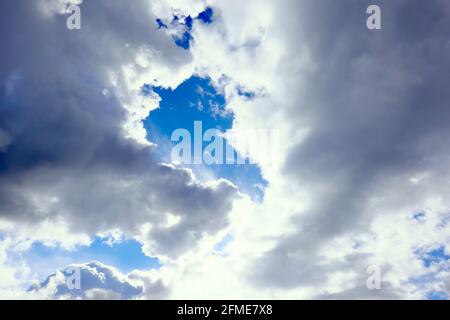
{"points": [[377, 107], [63, 151]]}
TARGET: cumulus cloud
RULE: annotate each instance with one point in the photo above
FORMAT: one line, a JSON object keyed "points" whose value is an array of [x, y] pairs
{"points": [[363, 117], [75, 149], [370, 129], [96, 281]]}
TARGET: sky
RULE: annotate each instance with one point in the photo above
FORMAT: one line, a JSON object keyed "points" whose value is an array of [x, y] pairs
{"points": [[197, 100], [358, 177]]}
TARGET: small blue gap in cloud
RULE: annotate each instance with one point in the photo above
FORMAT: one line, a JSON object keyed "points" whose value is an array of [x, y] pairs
{"points": [[183, 41], [246, 94], [434, 257], [188, 21], [431, 258], [197, 100], [124, 256], [183, 38], [419, 216], [437, 295], [425, 280], [206, 16], [161, 24], [220, 248]]}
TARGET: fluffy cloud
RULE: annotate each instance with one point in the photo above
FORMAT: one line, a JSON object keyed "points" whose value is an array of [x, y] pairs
{"points": [[5, 140], [363, 119], [73, 146]]}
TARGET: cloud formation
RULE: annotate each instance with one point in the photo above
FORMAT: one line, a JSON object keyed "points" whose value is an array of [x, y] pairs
{"points": [[71, 136], [370, 129], [363, 118], [96, 282]]}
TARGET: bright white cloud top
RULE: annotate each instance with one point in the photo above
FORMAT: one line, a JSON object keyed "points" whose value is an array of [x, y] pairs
{"points": [[364, 165]]}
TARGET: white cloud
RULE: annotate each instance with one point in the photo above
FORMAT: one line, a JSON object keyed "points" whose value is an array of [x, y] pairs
{"points": [[340, 199], [5, 140], [360, 115], [81, 162], [96, 281]]}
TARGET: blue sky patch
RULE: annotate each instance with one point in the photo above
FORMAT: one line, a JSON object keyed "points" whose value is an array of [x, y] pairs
{"points": [[197, 100], [435, 256], [124, 256], [221, 247], [184, 40], [161, 24], [419, 216]]}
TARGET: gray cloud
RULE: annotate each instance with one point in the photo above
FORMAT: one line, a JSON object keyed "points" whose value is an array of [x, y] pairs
{"points": [[376, 104], [97, 282], [5, 140], [67, 156]]}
